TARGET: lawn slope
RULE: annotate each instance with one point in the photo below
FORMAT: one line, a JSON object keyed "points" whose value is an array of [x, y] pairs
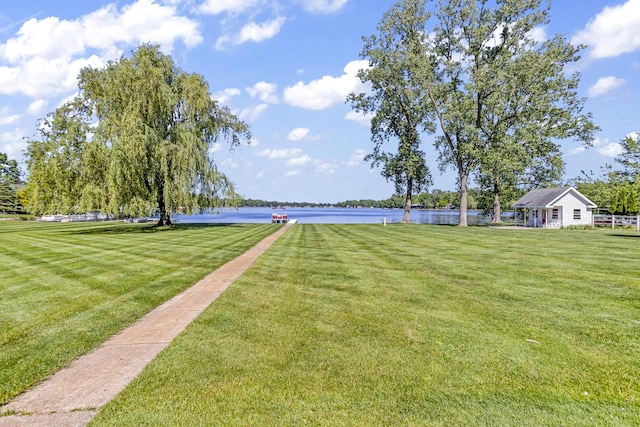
{"points": [[68, 287], [409, 325]]}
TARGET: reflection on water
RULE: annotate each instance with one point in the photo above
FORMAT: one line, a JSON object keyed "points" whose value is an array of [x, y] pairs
{"points": [[333, 216]]}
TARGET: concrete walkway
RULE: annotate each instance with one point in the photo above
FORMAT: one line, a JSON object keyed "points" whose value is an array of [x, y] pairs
{"points": [[74, 394]]}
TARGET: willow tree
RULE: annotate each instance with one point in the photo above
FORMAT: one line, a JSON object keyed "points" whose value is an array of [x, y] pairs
{"points": [[67, 170], [398, 97], [138, 138], [494, 84]]}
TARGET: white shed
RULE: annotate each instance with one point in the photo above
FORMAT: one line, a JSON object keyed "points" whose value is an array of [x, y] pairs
{"points": [[556, 208]]}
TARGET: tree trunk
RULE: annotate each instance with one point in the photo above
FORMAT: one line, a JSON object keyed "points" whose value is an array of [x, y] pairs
{"points": [[406, 218], [464, 199], [497, 210], [165, 217], [165, 220]]}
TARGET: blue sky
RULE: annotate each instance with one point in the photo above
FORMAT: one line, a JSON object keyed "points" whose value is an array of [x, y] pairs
{"points": [[285, 67]]}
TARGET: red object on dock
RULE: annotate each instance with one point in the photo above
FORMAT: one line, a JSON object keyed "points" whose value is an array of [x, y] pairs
{"points": [[279, 218]]}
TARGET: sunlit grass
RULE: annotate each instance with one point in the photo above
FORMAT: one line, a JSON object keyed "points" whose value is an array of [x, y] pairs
{"points": [[67, 287], [410, 325]]}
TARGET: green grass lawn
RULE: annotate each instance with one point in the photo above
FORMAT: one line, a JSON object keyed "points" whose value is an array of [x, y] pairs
{"points": [[410, 325], [67, 287]]}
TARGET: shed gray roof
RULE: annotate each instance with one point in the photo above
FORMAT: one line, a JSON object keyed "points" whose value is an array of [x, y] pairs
{"points": [[547, 197]]}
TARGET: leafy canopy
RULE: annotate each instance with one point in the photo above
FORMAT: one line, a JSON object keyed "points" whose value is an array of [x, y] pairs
{"points": [[9, 175], [137, 139], [471, 68], [398, 97], [502, 97]]}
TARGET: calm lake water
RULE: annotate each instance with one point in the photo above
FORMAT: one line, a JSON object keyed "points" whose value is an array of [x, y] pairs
{"points": [[332, 216]]}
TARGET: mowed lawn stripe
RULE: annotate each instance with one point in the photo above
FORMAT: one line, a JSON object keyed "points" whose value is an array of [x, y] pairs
{"points": [[409, 325], [68, 287]]}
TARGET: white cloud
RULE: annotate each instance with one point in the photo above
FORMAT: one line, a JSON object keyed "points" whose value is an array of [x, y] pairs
{"points": [[224, 96], [612, 32], [146, 21], [38, 77], [45, 56], [328, 90], [298, 134], [7, 118], [215, 7], [302, 134], [13, 143], [326, 167], [323, 6], [602, 146], [292, 173], [252, 32], [292, 156], [299, 161], [359, 118], [605, 85], [237, 7], [266, 92], [612, 149], [257, 32], [607, 148], [37, 107], [252, 113], [356, 158], [577, 150], [538, 34], [284, 153]]}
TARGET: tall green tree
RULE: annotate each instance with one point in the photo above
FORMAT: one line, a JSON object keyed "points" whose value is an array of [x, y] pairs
{"points": [[493, 85], [61, 174], [137, 139], [626, 183], [511, 167], [9, 175], [7, 197], [9, 169], [629, 158], [599, 189], [398, 97], [624, 199]]}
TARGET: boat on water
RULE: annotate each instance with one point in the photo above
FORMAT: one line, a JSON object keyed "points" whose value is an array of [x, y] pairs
{"points": [[279, 217]]}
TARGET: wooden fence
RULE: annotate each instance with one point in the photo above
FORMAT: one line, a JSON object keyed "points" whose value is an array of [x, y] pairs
{"points": [[614, 221]]}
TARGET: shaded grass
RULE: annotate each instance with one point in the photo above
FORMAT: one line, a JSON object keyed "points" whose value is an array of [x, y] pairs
{"points": [[409, 325], [68, 287]]}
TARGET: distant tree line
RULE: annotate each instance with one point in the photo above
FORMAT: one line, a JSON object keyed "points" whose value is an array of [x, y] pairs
{"points": [[435, 199]]}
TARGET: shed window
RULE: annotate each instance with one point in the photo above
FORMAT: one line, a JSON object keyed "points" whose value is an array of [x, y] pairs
{"points": [[577, 214], [554, 213]]}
